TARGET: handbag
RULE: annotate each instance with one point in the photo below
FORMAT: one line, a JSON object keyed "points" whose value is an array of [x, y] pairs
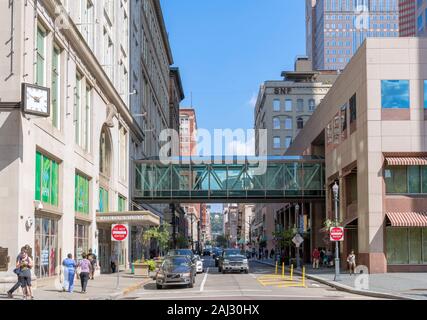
{"points": [[17, 271]]}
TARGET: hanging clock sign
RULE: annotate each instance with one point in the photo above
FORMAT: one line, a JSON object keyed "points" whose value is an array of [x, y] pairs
{"points": [[35, 100]]}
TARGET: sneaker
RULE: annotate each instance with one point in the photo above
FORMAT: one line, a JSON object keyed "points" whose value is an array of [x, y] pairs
{"points": [[10, 295]]}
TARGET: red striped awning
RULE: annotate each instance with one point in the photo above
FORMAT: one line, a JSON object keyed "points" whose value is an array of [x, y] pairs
{"points": [[406, 161], [407, 219]]}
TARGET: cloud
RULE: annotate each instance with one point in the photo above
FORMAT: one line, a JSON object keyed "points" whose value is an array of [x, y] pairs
{"points": [[241, 148], [253, 100]]}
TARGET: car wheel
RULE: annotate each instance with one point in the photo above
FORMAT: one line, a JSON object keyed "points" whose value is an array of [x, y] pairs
{"points": [[159, 286]]}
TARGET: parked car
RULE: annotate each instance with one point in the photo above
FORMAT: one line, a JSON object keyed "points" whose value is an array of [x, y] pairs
{"points": [[182, 252], [176, 271], [233, 260], [199, 264]]}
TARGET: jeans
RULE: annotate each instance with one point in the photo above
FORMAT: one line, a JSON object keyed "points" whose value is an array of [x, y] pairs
{"points": [[84, 278], [71, 273], [16, 286]]}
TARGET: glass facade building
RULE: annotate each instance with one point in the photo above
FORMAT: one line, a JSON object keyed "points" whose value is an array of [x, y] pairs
{"points": [[340, 27]]}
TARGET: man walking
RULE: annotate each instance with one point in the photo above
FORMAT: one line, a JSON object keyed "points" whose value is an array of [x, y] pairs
{"points": [[92, 258], [316, 257]]}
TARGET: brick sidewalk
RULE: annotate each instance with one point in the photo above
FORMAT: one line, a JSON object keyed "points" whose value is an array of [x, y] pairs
{"points": [[102, 288], [400, 285]]}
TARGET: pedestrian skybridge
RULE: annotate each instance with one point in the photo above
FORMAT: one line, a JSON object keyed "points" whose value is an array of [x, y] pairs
{"points": [[225, 180]]}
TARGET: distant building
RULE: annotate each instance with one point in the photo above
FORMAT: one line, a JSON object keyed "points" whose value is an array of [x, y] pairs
{"points": [[407, 18], [421, 18], [231, 215]]}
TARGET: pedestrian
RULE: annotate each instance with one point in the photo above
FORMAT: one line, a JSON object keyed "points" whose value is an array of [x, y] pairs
{"points": [[93, 261], [272, 254], [113, 261], [25, 264], [17, 271], [266, 254], [316, 257], [71, 266], [328, 258], [322, 256], [351, 260], [85, 266]]}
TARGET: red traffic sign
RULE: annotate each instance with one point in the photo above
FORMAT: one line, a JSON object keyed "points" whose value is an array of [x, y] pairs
{"points": [[119, 232], [336, 234]]}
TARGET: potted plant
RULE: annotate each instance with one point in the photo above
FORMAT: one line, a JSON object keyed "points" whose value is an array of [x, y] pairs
{"points": [[141, 268]]}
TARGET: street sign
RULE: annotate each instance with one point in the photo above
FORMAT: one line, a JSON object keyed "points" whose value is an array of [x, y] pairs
{"points": [[298, 240], [336, 234], [119, 232]]}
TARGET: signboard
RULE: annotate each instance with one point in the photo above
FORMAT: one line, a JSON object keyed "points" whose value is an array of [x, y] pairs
{"points": [[336, 234], [119, 232], [298, 240]]}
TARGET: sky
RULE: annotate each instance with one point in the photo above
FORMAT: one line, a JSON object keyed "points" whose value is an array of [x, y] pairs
{"points": [[226, 49]]}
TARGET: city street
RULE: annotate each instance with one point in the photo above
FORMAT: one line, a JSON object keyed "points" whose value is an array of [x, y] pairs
{"points": [[213, 285]]}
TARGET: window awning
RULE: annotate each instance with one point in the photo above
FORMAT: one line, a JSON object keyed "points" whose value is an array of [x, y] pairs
{"points": [[406, 161], [407, 219]]}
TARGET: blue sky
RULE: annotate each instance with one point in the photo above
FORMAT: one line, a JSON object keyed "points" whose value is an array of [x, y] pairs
{"points": [[225, 49]]}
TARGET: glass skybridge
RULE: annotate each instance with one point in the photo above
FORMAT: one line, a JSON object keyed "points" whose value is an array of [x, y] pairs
{"points": [[224, 180]]}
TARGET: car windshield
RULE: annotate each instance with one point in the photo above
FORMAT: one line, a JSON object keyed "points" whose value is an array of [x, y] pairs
{"points": [[176, 262], [182, 252], [229, 253]]}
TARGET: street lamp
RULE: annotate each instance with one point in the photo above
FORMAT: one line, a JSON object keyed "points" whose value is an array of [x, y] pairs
{"points": [[335, 190], [297, 207]]}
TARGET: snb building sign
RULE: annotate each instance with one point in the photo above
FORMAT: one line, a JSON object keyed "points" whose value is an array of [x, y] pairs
{"points": [[119, 232]]}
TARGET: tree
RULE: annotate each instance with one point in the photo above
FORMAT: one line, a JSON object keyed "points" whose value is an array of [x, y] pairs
{"points": [[160, 234], [182, 242], [284, 237]]}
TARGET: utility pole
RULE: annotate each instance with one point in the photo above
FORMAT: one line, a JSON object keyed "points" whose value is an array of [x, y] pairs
{"points": [[172, 209]]}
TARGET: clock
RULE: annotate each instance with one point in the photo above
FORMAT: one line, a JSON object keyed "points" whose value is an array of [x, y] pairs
{"points": [[35, 100]]}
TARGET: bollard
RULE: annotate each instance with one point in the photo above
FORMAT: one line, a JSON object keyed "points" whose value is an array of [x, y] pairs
{"points": [[277, 267], [283, 270], [292, 272], [303, 277]]}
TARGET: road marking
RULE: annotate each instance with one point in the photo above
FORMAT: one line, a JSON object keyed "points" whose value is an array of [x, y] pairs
{"points": [[202, 286]]}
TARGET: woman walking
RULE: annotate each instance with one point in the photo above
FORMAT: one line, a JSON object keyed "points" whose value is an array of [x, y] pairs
{"points": [[351, 260], [25, 264], [85, 266], [70, 265]]}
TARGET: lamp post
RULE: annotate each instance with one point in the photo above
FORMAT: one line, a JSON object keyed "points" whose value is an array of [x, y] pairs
{"points": [[335, 190], [297, 207]]}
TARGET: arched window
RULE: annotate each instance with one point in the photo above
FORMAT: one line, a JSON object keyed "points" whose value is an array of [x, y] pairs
{"points": [[105, 153], [300, 123], [276, 123]]}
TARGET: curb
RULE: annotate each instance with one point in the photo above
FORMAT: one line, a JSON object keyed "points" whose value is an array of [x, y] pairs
{"points": [[345, 288], [123, 292]]}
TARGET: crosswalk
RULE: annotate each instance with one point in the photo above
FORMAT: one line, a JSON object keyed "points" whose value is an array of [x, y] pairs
{"points": [[283, 280]]}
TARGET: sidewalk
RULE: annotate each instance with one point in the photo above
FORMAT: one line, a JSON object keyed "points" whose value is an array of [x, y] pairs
{"points": [[102, 288], [411, 286]]}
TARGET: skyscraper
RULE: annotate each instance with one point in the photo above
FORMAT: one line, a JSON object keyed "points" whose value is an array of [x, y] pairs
{"points": [[421, 17], [407, 13], [339, 27]]}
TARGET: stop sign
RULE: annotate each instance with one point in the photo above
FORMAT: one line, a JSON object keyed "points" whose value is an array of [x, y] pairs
{"points": [[336, 234], [119, 232]]}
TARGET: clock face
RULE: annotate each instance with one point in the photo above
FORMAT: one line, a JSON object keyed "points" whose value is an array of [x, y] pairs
{"points": [[36, 100]]}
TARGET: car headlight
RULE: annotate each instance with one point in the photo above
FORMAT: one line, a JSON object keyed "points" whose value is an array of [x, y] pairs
{"points": [[245, 261], [186, 275]]}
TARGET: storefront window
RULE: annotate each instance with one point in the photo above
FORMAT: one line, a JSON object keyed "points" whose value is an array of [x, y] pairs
{"points": [[81, 196], [415, 245], [414, 179], [81, 240], [46, 247], [46, 189], [406, 180], [406, 246], [424, 244], [395, 179]]}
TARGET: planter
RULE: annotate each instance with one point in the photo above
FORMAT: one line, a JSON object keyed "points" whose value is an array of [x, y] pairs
{"points": [[141, 269]]}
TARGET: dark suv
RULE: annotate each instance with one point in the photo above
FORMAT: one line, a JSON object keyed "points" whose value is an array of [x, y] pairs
{"points": [[233, 260]]}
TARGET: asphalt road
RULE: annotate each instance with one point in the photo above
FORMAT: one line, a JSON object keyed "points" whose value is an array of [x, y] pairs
{"points": [[259, 284]]}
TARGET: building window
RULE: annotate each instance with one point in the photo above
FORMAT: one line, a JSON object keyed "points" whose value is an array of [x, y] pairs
{"points": [[276, 123], [406, 180], [353, 108], [41, 57], [45, 247], [81, 240], [288, 124], [55, 87], [103, 200], [47, 176], [81, 197], [300, 123], [300, 105], [395, 94], [122, 203], [276, 105], [406, 246], [311, 105], [344, 118], [288, 105], [288, 142], [123, 158], [425, 94], [104, 153], [277, 143]]}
